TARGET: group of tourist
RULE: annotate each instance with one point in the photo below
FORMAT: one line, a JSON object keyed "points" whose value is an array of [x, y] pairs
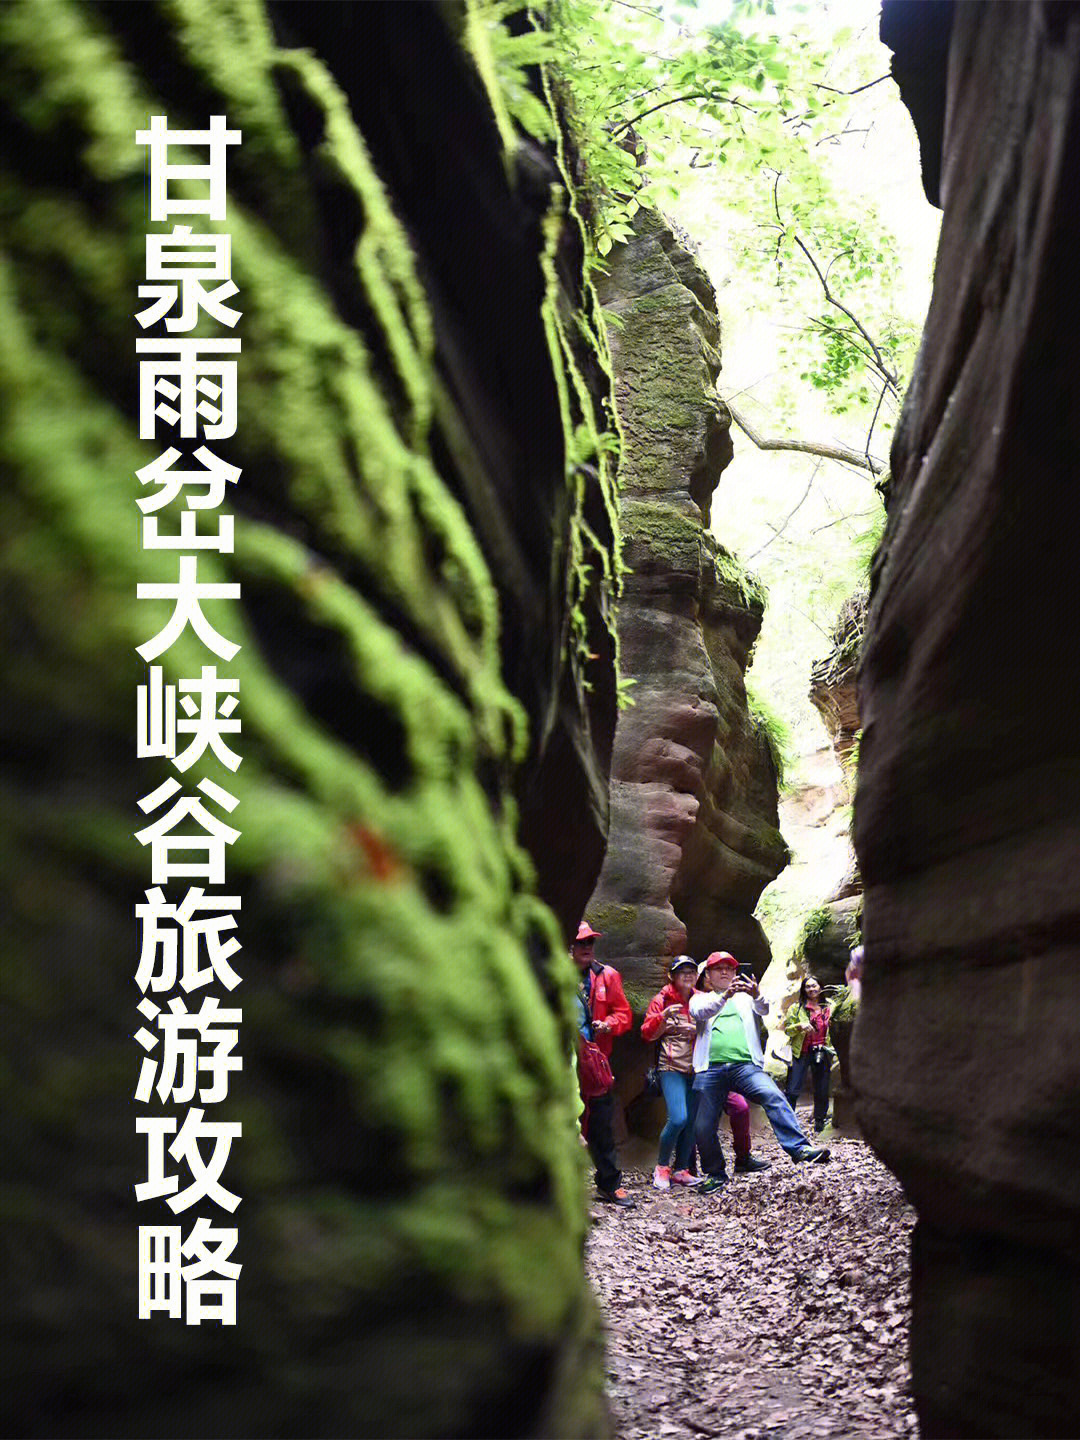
{"points": [[709, 1061]]}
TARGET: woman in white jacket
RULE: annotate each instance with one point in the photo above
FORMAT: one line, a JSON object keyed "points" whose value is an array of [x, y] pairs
{"points": [[728, 1056]]}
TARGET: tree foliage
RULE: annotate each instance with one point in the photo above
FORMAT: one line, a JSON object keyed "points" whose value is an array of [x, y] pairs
{"points": [[654, 95]]}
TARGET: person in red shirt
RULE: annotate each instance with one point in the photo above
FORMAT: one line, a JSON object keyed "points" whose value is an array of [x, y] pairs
{"points": [[604, 1013], [668, 1021]]}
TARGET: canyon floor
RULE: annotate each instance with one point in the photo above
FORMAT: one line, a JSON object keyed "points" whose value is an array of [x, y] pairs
{"points": [[776, 1309]]}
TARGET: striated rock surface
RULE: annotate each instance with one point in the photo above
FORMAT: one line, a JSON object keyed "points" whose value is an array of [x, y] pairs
{"points": [[834, 693], [967, 820], [833, 687], [827, 942], [693, 837]]}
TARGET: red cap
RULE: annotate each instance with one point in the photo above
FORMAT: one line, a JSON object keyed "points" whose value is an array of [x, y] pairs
{"points": [[586, 932], [720, 957]]}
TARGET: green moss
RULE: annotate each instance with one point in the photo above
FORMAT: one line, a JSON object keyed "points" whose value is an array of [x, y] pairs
{"points": [[770, 844], [672, 299], [818, 925], [773, 729], [639, 999], [814, 926], [666, 412], [659, 526], [594, 439], [731, 575], [372, 933], [607, 915]]}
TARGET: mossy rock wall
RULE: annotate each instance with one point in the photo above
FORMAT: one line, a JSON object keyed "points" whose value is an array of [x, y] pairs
{"points": [[408, 541], [693, 838]]}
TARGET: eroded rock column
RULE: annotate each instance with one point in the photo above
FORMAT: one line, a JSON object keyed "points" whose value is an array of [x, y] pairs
{"points": [[693, 838]]}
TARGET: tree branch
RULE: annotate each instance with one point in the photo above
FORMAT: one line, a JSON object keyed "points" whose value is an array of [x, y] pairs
{"points": [[892, 379], [855, 515], [858, 89], [754, 384], [838, 256], [678, 100], [886, 373], [807, 447], [873, 422], [811, 620], [839, 134], [779, 530], [802, 114], [817, 327]]}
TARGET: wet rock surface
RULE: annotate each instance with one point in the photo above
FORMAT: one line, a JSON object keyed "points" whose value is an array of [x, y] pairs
{"points": [[776, 1308]]}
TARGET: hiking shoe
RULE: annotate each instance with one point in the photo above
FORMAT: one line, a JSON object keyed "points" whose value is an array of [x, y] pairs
{"points": [[661, 1177], [712, 1183], [616, 1197], [811, 1155], [683, 1177], [744, 1164]]}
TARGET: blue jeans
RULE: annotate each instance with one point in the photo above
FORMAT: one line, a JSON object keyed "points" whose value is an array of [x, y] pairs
{"points": [[750, 1081], [681, 1100], [819, 1062]]}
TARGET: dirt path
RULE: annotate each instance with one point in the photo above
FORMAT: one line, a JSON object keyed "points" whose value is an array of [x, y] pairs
{"points": [[777, 1308]]}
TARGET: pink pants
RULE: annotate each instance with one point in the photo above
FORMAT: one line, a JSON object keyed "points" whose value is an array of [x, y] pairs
{"points": [[738, 1112]]}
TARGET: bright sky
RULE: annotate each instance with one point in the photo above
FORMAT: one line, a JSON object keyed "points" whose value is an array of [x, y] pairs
{"points": [[823, 511], [810, 568]]}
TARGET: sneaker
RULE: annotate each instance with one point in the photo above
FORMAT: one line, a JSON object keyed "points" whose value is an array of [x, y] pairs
{"points": [[683, 1177], [712, 1183], [661, 1177], [744, 1164], [616, 1197], [811, 1156]]}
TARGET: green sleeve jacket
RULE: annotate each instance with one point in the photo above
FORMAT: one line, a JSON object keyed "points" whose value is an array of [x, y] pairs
{"points": [[842, 1008]]}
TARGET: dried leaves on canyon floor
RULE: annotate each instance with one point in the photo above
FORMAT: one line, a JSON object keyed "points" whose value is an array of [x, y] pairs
{"points": [[776, 1308]]}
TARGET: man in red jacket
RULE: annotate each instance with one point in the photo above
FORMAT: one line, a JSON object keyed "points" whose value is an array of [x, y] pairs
{"points": [[605, 1013]]}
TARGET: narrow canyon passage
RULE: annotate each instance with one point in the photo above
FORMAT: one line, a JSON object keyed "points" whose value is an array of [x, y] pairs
{"points": [[776, 1308]]}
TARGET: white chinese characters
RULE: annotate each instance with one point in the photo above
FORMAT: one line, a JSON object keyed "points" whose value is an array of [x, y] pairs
{"points": [[188, 719]]}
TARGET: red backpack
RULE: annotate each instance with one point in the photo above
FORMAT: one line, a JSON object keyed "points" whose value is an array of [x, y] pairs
{"points": [[594, 1072]]}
